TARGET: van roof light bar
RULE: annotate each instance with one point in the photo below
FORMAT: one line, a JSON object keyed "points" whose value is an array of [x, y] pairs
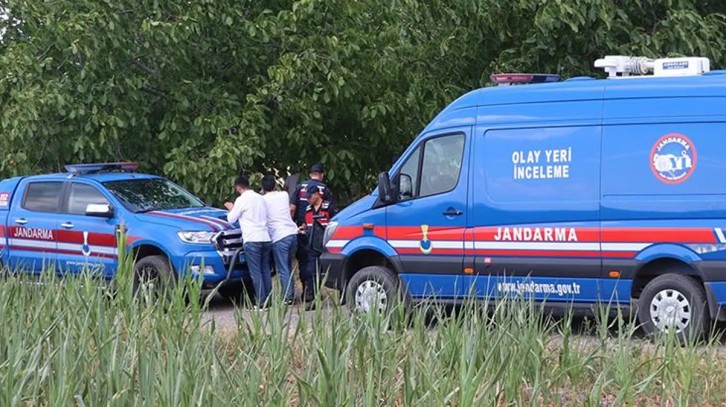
{"points": [[504, 79], [618, 66], [76, 169]]}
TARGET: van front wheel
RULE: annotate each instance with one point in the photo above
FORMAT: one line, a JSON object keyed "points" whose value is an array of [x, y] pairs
{"points": [[674, 303], [374, 289]]}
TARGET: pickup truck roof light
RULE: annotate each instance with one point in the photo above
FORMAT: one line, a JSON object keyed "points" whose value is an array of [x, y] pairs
{"points": [[504, 79], [76, 169]]}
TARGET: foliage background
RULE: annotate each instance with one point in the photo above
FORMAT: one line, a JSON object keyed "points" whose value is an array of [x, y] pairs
{"points": [[200, 91]]}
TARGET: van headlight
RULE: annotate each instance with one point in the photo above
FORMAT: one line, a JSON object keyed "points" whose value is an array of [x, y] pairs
{"points": [[329, 231], [196, 237]]}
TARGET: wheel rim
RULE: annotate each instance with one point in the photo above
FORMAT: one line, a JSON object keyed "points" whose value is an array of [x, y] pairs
{"points": [[371, 296], [670, 309], [148, 279]]}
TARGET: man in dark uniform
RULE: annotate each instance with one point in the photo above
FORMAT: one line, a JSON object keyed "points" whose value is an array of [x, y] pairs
{"points": [[317, 216], [298, 207]]}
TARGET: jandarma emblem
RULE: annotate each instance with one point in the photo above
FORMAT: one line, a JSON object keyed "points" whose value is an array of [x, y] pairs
{"points": [[673, 158], [425, 244]]}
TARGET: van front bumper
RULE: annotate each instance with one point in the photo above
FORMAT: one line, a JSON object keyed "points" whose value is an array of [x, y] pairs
{"points": [[331, 264]]}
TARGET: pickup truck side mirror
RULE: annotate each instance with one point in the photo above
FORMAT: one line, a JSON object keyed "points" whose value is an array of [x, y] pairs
{"points": [[100, 210], [385, 190]]}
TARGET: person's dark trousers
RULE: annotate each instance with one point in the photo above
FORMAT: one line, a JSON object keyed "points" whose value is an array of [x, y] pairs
{"points": [[257, 255], [284, 252], [310, 275], [302, 256]]}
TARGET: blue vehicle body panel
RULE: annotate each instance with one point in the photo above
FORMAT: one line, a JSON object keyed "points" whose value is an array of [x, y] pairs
{"points": [[567, 191], [33, 240]]}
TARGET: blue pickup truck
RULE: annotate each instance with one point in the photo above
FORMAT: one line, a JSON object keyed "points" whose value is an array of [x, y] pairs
{"points": [[70, 222]]}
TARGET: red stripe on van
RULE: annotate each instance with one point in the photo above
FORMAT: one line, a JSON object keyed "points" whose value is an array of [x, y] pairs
{"points": [[660, 235], [415, 233], [584, 234]]}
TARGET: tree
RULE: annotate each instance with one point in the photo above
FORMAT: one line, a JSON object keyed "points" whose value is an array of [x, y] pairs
{"points": [[203, 90]]}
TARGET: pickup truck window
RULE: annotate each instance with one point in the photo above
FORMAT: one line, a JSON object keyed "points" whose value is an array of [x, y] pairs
{"points": [[152, 194], [42, 196], [81, 196]]}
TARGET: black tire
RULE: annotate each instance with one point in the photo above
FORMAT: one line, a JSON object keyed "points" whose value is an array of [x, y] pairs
{"points": [[671, 293], [154, 270], [375, 283], [238, 291]]}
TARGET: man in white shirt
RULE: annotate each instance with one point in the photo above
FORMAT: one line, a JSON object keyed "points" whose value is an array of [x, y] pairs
{"points": [[249, 209], [283, 232]]}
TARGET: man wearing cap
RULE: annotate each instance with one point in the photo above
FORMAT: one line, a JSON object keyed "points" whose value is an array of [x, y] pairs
{"points": [[298, 208], [317, 216]]}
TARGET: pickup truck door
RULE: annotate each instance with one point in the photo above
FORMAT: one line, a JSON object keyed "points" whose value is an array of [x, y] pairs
{"points": [[86, 243], [31, 229]]}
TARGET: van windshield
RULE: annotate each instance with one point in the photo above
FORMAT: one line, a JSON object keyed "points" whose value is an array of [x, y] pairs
{"points": [[152, 194]]}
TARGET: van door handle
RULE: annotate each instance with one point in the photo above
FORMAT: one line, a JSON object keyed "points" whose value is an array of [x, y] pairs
{"points": [[452, 212], [21, 221], [68, 225]]}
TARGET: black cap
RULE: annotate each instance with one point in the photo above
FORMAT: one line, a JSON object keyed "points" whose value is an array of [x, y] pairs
{"points": [[313, 187], [318, 167]]}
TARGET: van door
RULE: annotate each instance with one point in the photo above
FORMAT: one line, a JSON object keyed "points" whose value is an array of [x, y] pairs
{"points": [[32, 234], [86, 243], [535, 227], [427, 226]]}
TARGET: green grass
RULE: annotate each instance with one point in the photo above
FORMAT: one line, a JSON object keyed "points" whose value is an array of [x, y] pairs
{"points": [[69, 343]]}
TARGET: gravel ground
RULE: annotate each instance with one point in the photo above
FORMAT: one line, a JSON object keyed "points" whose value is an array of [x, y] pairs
{"points": [[224, 314]]}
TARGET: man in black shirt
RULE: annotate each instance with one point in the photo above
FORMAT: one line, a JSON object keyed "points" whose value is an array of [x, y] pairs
{"points": [[317, 216], [298, 208]]}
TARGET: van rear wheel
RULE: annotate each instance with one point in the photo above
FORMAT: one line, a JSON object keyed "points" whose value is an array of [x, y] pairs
{"points": [[674, 303], [374, 289]]}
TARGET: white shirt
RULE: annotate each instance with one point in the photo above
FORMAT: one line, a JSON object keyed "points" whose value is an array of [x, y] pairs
{"points": [[249, 209], [279, 221]]}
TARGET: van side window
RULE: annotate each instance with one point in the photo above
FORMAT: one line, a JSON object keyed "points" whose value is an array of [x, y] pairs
{"points": [[42, 196], [408, 184], [81, 196], [436, 172]]}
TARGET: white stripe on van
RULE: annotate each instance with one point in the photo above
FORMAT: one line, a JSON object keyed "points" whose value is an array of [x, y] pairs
{"points": [[569, 246], [508, 245], [39, 244]]}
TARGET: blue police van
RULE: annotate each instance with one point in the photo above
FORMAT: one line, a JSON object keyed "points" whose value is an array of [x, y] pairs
{"points": [[577, 192], [71, 223]]}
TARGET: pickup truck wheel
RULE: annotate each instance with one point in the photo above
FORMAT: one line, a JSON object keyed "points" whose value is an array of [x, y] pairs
{"points": [[374, 289], [238, 291], [674, 302], [154, 275]]}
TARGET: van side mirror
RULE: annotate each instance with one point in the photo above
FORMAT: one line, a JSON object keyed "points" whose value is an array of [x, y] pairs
{"points": [[100, 210], [385, 193]]}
